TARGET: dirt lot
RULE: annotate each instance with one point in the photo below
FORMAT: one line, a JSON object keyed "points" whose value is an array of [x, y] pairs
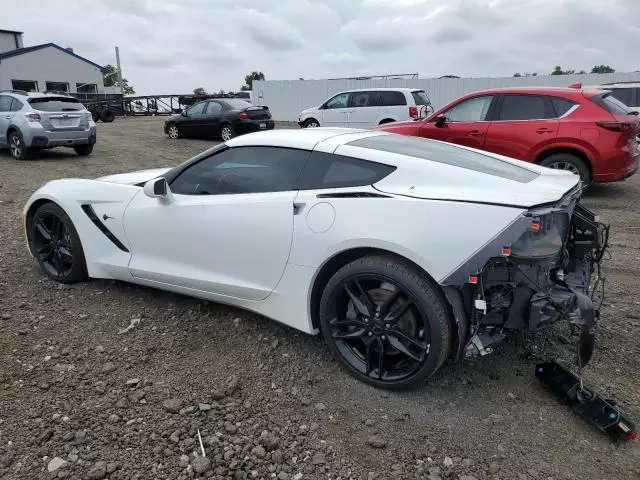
{"points": [[270, 402]]}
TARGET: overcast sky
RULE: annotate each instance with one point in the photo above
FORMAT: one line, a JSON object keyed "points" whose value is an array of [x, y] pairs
{"points": [[173, 46]]}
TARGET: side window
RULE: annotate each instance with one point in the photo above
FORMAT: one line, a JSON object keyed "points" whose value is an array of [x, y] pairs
{"points": [[561, 105], [389, 98], [5, 103], [242, 170], [327, 170], [197, 109], [213, 108], [339, 101], [16, 105], [361, 99], [525, 107], [471, 110]]}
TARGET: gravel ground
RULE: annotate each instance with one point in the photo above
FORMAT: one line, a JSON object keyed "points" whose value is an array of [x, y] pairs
{"points": [[78, 400]]}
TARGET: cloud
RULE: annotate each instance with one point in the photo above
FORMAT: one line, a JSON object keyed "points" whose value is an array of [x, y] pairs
{"points": [[177, 45], [268, 31]]}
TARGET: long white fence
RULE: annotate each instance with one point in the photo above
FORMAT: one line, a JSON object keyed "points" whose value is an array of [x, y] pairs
{"points": [[287, 98]]}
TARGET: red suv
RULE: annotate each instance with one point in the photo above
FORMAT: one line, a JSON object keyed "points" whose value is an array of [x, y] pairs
{"points": [[588, 132]]}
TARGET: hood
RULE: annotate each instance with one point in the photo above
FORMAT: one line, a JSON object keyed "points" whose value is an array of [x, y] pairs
{"points": [[132, 178], [309, 110]]}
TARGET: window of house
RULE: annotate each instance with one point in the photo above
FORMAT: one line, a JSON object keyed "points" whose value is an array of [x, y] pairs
{"points": [[90, 88], [26, 85], [57, 86]]}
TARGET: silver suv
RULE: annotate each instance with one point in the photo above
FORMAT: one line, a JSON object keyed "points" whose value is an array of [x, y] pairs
{"points": [[34, 121]]}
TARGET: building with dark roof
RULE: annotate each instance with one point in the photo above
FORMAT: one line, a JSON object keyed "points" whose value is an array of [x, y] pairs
{"points": [[45, 67]]}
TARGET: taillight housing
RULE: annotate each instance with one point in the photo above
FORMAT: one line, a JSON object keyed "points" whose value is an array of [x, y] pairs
{"points": [[243, 116], [32, 117], [88, 115], [616, 126], [413, 112]]}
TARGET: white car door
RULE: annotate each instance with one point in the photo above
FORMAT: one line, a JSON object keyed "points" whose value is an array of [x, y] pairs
{"points": [[335, 111], [363, 109], [225, 226]]}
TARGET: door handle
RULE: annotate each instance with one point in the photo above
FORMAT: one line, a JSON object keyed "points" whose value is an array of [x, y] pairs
{"points": [[9, 117], [543, 130], [475, 133]]}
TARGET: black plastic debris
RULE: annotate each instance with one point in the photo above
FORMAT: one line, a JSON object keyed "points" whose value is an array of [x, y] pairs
{"points": [[601, 413]]}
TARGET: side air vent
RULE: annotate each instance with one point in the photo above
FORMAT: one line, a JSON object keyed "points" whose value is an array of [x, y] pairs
{"points": [[352, 195], [91, 213]]}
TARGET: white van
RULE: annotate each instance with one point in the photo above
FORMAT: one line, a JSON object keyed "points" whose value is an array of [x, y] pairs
{"points": [[367, 107]]}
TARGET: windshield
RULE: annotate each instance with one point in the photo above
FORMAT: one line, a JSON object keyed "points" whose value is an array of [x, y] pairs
{"points": [[446, 153], [238, 104], [420, 98], [55, 104], [614, 105]]}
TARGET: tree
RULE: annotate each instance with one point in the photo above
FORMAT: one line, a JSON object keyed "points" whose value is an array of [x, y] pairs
{"points": [[517, 74], [199, 91], [558, 71], [110, 79], [602, 69], [248, 80], [221, 92]]}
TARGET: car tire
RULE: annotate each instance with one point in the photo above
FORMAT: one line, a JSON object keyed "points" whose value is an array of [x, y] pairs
{"points": [[173, 131], [17, 147], [84, 149], [56, 245], [311, 123], [386, 120], [107, 115], [570, 162], [227, 132], [95, 115], [413, 346]]}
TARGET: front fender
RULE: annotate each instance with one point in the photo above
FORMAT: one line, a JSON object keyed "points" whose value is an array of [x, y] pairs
{"points": [[109, 201]]}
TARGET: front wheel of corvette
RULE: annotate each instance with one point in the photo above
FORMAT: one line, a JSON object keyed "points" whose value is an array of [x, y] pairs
{"points": [[386, 322], [56, 245]]}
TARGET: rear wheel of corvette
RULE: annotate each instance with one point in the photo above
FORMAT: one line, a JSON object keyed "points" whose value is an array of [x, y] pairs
{"points": [[569, 162], [386, 322], [56, 245]]}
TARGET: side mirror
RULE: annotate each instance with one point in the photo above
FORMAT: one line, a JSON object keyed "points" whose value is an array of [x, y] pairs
{"points": [[157, 188], [184, 113], [440, 120]]}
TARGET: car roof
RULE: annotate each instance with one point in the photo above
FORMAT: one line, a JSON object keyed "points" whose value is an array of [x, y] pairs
{"points": [[383, 89], [540, 89], [303, 138]]}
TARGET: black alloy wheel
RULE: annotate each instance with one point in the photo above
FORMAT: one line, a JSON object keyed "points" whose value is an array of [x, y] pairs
{"points": [[56, 245], [385, 322]]}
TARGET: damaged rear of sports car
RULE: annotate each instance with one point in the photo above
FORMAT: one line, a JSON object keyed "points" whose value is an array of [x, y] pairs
{"points": [[544, 268]]}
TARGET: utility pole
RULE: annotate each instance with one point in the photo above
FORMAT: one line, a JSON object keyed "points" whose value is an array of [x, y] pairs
{"points": [[119, 70]]}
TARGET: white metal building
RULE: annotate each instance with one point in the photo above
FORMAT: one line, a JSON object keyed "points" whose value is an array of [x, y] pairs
{"points": [[287, 98], [45, 67]]}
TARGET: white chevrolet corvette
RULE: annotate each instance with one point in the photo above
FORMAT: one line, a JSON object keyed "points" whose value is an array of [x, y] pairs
{"points": [[402, 252]]}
